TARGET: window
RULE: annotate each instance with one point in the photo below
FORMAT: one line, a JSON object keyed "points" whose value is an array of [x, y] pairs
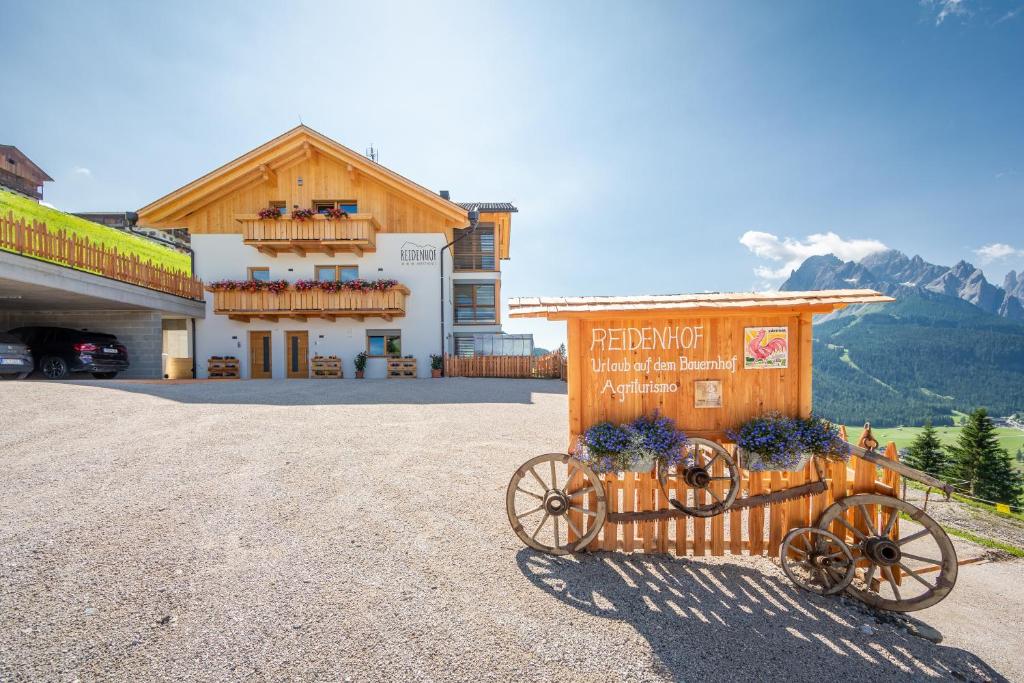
{"points": [[257, 274], [464, 345], [282, 207], [384, 343], [337, 273], [349, 206], [476, 250], [475, 303]]}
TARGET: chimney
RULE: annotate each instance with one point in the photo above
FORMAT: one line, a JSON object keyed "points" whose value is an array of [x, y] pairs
{"points": [[445, 194]]}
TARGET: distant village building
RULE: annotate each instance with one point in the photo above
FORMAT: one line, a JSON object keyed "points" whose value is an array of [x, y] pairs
{"points": [[20, 174]]}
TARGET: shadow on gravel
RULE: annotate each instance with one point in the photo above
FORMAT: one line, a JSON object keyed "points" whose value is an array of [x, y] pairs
{"points": [[308, 392], [727, 622]]}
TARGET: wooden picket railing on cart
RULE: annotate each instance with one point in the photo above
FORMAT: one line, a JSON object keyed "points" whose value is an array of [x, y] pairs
{"points": [[550, 366], [752, 531], [36, 240]]}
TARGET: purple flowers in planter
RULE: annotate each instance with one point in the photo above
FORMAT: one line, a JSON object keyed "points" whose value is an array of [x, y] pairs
{"points": [[609, 447], [776, 442]]}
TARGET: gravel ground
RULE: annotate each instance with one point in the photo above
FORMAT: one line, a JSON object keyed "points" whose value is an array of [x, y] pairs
{"points": [[347, 530], [960, 516]]}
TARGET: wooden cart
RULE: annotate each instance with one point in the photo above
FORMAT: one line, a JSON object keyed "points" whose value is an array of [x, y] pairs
{"points": [[856, 545], [712, 361]]}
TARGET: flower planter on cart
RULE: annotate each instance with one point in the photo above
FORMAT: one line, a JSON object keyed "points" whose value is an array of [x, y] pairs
{"points": [[835, 526]]}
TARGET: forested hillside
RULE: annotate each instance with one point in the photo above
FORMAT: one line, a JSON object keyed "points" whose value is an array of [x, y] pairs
{"points": [[918, 358]]}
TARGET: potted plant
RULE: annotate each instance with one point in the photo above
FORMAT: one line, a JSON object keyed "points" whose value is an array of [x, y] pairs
{"points": [[303, 214], [436, 364], [637, 446], [270, 214], [360, 361], [336, 213], [774, 442]]}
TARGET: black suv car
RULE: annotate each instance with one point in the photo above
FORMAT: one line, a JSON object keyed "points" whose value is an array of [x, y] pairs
{"points": [[60, 351]]}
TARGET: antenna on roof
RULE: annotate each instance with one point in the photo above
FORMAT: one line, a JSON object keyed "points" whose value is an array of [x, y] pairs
{"points": [[300, 120], [371, 152]]}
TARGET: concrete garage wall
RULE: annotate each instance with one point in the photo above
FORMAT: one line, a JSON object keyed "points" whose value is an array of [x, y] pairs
{"points": [[140, 331]]}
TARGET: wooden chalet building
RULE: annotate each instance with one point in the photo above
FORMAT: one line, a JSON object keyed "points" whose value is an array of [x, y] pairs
{"points": [[306, 210], [20, 174]]}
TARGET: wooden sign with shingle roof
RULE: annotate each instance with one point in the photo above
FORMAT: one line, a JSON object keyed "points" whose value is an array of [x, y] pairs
{"points": [[631, 355]]}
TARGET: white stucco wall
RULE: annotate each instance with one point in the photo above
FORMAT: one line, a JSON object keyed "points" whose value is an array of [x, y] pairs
{"points": [[226, 257]]}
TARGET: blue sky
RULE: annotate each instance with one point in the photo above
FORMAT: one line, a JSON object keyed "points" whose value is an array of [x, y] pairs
{"points": [[651, 147]]}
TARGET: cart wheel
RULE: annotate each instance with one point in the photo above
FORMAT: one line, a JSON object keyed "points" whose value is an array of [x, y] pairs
{"points": [[538, 501], [817, 560], [902, 566], [711, 479]]}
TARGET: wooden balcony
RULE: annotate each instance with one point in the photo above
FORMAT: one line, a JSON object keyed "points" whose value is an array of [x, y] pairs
{"points": [[320, 234], [314, 303]]}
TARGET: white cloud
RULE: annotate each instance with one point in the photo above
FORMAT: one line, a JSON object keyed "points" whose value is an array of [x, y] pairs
{"points": [[1010, 15], [996, 251], [82, 171], [790, 253], [947, 9]]}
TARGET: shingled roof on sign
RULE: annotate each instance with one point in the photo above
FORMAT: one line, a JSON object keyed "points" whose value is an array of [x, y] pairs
{"points": [[489, 207], [556, 308]]}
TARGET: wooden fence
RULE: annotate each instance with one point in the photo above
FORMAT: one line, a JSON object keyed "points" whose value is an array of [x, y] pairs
{"points": [[37, 241], [516, 367], [754, 531], [550, 366]]}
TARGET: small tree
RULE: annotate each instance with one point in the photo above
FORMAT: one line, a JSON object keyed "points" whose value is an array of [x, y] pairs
{"points": [[1020, 455], [998, 479], [925, 452], [978, 460]]}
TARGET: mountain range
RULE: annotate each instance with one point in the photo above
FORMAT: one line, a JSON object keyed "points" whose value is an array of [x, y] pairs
{"points": [[952, 341], [894, 273]]}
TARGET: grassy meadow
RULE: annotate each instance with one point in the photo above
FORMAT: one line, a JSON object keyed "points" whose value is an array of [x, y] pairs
{"points": [[146, 250]]}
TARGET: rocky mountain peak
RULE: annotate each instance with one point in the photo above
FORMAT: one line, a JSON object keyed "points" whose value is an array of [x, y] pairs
{"points": [[891, 272]]}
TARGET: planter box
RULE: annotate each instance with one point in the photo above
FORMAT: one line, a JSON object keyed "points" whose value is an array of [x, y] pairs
{"points": [[325, 367], [402, 368], [222, 367], [754, 462]]}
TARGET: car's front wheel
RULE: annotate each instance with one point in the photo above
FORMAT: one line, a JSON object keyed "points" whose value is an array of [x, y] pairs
{"points": [[104, 375], [54, 367]]}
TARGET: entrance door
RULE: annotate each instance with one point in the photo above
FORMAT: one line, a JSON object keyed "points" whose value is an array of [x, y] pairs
{"points": [[297, 354], [259, 355]]}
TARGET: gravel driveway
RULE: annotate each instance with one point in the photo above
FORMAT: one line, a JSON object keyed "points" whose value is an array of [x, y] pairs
{"points": [[336, 530]]}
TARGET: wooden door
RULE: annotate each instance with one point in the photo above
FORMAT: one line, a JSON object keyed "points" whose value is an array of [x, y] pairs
{"points": [[259, 355], [297, 354]]}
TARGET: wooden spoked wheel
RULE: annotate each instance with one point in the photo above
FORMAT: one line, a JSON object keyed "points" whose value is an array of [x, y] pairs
{"points": [[901, 565], [542, 509], [707, 479], [817, 560]]}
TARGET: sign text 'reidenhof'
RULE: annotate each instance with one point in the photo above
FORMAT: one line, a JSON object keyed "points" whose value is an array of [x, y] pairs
{"points": [[687, 340]]}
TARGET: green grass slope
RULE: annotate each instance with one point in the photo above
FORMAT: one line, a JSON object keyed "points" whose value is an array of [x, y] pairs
{"points": [[921, 357], [146, 250]]}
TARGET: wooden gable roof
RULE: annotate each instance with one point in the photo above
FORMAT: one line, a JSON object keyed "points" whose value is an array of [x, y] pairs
{"points": [[564, 308], [22, 166], [259, 165]]}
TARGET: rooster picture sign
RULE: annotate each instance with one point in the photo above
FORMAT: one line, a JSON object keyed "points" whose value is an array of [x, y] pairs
{"points": [[765, 348]]}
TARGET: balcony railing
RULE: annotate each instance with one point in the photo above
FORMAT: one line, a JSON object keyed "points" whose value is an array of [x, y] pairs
{"points": [[320, 234], [314, 303]]}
